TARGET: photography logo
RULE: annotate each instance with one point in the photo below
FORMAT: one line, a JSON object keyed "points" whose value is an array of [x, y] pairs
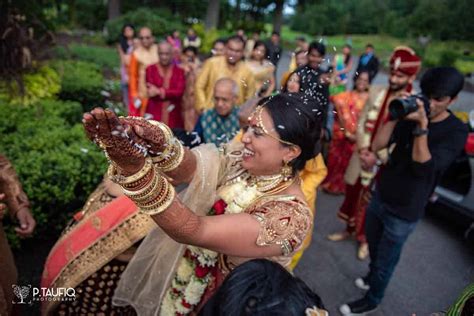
{"points": [[40, 294], [22, 293]]}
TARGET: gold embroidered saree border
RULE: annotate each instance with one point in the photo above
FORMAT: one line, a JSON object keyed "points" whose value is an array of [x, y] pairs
{"points": [[100, 253]]}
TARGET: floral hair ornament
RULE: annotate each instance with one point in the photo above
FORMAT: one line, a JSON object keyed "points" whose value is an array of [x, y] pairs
{"points": [[314, 311], [256, 116]]}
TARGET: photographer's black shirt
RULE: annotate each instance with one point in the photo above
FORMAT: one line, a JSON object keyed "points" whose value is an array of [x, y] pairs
{"points": [[405, 185]]}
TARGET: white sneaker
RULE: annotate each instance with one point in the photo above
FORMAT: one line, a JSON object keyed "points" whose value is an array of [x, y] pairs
{"points": [[362, 284]]}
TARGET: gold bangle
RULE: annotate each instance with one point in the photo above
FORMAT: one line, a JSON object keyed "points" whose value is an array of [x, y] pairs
{"points": [[174, 159], [128, 180], [168, 133], [162, 204], [147, 191]]}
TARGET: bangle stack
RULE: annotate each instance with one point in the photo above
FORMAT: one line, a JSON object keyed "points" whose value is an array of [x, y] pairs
{"points": [[173, 154], [171, 157], [150, 191]]}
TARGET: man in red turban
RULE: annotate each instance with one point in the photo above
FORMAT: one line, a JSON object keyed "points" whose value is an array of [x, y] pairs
{"points": [[363, 166]]}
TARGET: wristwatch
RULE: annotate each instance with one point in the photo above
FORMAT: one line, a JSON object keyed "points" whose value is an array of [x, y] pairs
{"points": [[419, 131]]}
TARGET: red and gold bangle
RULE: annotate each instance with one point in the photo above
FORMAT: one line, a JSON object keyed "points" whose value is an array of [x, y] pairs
{"points": [[172, 159], [130, 181]]}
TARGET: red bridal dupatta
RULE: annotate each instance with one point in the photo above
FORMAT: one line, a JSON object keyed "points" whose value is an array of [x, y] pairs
{"points": [[93, 242]]}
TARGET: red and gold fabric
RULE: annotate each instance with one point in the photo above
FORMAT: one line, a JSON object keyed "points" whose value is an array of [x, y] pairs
{"points": [[166, 109], [105, 230]]}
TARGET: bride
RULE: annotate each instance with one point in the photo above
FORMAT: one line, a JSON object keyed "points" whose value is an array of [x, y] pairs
{"points": [[242, 201]]}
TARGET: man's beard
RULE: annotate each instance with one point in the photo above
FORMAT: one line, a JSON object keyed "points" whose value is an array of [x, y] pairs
{"points": [[397, 87]]}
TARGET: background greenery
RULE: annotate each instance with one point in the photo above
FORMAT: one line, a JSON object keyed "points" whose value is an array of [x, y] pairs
{"points": [[57, 165]]}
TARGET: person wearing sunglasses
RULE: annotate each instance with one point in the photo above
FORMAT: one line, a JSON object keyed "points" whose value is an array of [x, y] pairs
{"points": [[143, 56]]}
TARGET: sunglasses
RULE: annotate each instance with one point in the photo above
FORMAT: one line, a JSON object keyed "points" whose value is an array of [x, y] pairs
{"points": [[145, 37]]}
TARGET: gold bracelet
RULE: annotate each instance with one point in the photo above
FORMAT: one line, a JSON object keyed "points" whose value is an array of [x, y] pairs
{"points": [[168, 133], [146, 192], [128, 180], [174, 159], [163, 204]]}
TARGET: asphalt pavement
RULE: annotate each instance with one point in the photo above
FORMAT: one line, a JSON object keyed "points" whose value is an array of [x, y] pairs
{"points": [[436, 264]]}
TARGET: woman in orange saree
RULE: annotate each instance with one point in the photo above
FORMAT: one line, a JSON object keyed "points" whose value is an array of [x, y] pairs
{"points": [[348, 106]]}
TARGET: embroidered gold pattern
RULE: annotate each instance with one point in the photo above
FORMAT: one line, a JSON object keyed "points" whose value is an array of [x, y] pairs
{"points": [[284, 221], [92, 259]]}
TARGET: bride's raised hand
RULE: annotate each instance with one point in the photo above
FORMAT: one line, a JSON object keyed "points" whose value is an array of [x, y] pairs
{"points": [[148, 133], [119, 142]]}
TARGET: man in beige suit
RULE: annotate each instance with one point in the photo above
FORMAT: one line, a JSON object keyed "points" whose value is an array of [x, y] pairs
{"points": [[363, 166]]}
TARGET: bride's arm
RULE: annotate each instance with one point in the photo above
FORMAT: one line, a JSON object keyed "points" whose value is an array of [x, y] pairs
{"points": [[272, 230], [268, 228]]}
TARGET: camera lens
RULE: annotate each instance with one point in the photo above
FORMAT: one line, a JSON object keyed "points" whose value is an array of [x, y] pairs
{"points": [[397, 109]]}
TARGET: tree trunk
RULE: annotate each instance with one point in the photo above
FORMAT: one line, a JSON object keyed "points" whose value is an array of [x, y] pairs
{"points": [[237, 8], [113, 9], [278, 16], [212, 15]]}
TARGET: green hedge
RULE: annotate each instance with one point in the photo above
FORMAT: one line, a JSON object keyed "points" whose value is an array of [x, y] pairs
{"points": [[57, 165], [160, 21], [80, 81], [43, 83]]}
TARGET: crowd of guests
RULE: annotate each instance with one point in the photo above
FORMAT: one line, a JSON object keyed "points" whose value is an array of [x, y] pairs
{"points": [[211, 100]]}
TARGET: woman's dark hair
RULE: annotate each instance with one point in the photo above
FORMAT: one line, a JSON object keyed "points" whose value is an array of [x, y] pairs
{"points": [[284, 89], [190, 49], [319, 47], [297, 120], [219, 40], [357, 75], [441, 82], [261, 287], [123, 40], [260, 43]]}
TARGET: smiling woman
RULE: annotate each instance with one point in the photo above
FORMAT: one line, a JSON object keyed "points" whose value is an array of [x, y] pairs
{"points": [[253, 189]]}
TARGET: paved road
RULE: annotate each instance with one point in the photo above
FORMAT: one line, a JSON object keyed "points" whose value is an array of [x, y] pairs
{"points": [[436, 264]]}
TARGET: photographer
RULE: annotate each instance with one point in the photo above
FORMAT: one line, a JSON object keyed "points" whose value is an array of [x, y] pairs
{"points": [[426, 138]]}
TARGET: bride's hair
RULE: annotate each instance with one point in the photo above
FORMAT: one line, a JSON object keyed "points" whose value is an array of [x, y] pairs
{"points": [[297, 120], [261, 287]]}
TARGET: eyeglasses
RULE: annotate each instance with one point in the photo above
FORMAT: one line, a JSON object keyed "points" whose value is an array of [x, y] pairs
{"points": [[144, 37]]}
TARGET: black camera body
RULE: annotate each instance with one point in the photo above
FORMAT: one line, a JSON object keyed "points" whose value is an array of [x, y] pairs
{"points": [[400, 108]]}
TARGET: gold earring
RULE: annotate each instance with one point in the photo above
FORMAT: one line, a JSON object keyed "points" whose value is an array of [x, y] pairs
{"points": [[286, 171]]}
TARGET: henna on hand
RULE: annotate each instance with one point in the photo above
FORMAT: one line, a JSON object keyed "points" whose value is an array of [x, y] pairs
{"points": [[151, 136], [122, 147]]}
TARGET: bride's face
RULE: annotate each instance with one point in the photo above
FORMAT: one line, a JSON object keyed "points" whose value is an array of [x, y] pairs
{"points": [[263, 152]]}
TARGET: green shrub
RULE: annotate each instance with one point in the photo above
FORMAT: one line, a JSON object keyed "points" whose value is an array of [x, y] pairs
{"points": [[104, 57], [43, 83], [447, 58], [80, 81], [207, 37], [160, 21], [57, 165], [465, 66]]}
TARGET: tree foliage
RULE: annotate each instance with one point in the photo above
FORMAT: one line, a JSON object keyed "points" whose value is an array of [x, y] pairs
{"points": [[440, 19]]}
